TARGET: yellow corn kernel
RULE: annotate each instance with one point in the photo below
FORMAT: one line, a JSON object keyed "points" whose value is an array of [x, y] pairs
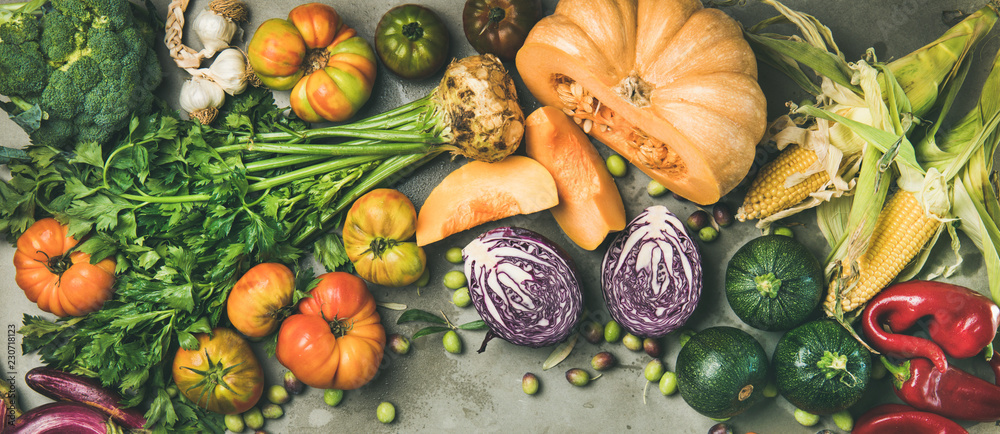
{"points": [[768, 194], [902, 229]]}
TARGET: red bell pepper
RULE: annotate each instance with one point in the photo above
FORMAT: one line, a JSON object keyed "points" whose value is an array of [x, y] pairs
{"points": [[952, 393], [899, 418], [960, 322]]}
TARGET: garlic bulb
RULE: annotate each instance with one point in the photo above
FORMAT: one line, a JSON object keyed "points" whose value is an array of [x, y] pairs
{"points": [[217, 24], [228, 70], [201, 98]]}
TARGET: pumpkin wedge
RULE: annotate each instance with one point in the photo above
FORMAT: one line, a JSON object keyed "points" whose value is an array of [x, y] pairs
{"points": [[589, 206], [481, 192], [668, 84]]}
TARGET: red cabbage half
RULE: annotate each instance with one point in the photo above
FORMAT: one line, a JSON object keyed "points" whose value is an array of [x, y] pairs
{"points": [[651, 275], [524, 287]]}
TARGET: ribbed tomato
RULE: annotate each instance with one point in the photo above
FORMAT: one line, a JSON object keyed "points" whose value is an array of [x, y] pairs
{"points": [[59, 279], [499, 27], [336, 341], [328, 67], [222, 375], [376, 231], [261, 299]]}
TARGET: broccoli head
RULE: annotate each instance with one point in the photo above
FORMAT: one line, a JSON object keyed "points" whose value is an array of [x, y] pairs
{"points": [[82, 67]]}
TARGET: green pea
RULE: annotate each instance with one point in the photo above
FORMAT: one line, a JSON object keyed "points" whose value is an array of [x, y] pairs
{"points": [[708, 234], [805, 418], [424, 278], [632, 342], [668, 383], [616, 165], [454, 255], [612, 331], [332, 397], [455, 279], [529, 384], [784, 231], [234, 423], [452, 343], [654, 370], [385, 412], [253, 418], [461, 297], [843, 420], [655, 189]]}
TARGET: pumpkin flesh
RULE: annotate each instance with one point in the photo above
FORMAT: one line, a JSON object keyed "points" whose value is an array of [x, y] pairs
{"points": [[669, 85]]}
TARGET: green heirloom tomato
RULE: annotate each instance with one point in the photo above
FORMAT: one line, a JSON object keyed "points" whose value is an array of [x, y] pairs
{"points": [[376, 231], [412, 41], [499, 27]]}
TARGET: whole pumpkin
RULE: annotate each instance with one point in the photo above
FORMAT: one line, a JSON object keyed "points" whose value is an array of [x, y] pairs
{"points": [[668, 84], [59, 279], [336, 341], [328, 67]]}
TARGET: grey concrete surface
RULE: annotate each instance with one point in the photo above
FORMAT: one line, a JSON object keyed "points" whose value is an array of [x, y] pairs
{"points": [[434, 391]]}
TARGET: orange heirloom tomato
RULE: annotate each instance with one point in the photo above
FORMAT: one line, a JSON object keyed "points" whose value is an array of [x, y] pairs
{"points": [[222, 375], [375, 232], [57, 278], [261, 299], [328, 67], [336, 341]]}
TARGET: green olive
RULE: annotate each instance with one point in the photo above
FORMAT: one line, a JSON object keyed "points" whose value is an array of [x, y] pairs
{"points": [[272, 411], [385, 412], [617, 165], [603, 361], [454, 255], [578, 377], [277, 394], [332, 397], [455, 279], [632, 342], [655, 189], [668, 383], [771, 389], [253, 418], [843, 420], [654, 370], [398, 343], [424, 278], [612, 331], [234, 423], [805, 418], [529, 384], [784, 230], [461, 297], [708, 234], [452, 343]]}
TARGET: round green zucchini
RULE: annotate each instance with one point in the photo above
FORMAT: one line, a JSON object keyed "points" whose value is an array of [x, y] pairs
{"points": [[722, 371], [820, 367], [774, 283]]}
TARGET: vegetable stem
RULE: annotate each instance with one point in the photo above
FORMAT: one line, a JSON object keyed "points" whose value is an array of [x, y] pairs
{"points": [[376, 148]]}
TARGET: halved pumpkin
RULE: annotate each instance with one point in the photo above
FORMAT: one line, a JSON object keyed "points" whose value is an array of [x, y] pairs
{"points": [[590, 206], [668, 84], [481, 192]]}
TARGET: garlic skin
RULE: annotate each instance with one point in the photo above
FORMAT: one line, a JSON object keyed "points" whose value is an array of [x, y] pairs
{"points": [[201, 99], [229, 71], [215, 31]]}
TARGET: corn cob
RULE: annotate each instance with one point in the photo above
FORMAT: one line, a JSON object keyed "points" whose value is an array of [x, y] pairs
{"points": [[921, 74], [902, 229], [769, 193]]}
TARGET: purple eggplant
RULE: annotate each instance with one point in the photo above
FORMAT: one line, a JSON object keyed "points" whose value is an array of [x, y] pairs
{"points": [[63, 418], [64, 386]]}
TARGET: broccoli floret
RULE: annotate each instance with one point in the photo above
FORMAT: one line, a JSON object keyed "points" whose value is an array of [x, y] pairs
{"points": [[87, 64]]}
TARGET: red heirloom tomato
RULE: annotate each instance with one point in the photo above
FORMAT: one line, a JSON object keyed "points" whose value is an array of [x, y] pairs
{"points": [[375, 232], [261, 299], [336, 341], [57, 278], [499, 27], [328, 67], [222, 375]]}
